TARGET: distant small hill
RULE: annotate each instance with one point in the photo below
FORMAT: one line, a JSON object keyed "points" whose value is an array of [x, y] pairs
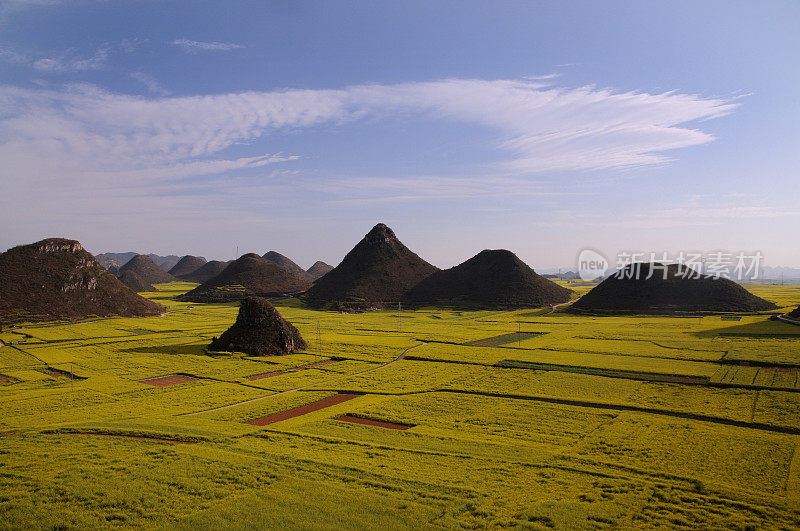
{"points": [[206, 272], [492, 280], [109, 260], [794, 314], [57, 279], [318, 270], [683, 290], [569, 275], [247, 276], [114, 260], [148, 271], [259, 330], [135, 282], [288, 264], [186, 266], [166, 265], [377, 271]]}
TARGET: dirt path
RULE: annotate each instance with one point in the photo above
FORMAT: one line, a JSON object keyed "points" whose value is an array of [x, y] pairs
{"points": [[553, 309], [787, 320], [398, 358]]}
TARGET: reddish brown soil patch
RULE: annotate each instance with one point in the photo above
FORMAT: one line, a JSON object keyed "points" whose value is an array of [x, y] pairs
{"points": [[312, 365], [4, 379], [134, 437], [166, 381], [370, 422], [302, 410], [300, 368], [5, 433]]}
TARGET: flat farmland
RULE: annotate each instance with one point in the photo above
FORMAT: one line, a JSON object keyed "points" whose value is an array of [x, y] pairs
{"points": [[528, 418]]}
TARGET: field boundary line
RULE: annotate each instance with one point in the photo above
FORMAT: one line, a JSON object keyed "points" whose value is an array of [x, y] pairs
{"points": [[638, 409], [398, 358]]}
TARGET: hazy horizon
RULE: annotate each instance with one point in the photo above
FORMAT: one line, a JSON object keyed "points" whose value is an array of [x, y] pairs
{"points": [[174, 128]]}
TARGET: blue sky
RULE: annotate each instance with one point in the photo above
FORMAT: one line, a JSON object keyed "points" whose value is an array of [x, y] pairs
{"points": [[541, 127]]}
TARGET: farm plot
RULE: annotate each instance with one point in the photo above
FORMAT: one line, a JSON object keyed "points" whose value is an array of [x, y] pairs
{"points": [[483, 445]]}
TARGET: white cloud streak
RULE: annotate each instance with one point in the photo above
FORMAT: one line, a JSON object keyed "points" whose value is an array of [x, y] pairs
{"points": [[87, 131], [66, 61], [200, 46], [69, 62], [150, 82]]}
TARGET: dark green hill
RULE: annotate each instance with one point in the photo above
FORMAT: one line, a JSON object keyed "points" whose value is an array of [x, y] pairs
{"points": [[206, 272], [248, 275], [378, 271], [287, 263], [319, 270], [492, 279], [683, 290], [147, 270], [186, 266], [135, 282]]}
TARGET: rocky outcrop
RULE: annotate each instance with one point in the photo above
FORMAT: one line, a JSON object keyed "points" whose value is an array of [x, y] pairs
{"points": [[57, 279], [259, 330]]}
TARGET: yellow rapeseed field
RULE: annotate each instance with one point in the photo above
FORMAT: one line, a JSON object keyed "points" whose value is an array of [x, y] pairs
{"points": [[587, 422]]}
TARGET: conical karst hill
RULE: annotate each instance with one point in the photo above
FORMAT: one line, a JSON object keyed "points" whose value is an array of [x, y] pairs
{"points": [[683, 290], [492, 279], [259, 330], [246, 276], [378, 271], [319, 270], [57, 279], [206, 272], [186, 266], [287, 263], [147, 270], [135, 282]]}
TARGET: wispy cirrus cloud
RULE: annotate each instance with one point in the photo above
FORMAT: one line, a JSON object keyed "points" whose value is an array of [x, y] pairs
{"points": [[66, 61], [86, 136], [70, 61], [150, 82], [201, 46]]}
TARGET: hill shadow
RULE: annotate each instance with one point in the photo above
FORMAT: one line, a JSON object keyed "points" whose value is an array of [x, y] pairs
{"points": [[763, 329], [197, 350]]}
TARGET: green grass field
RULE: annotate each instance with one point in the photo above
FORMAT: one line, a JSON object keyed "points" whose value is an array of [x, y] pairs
{"points": [[612, 422]]}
